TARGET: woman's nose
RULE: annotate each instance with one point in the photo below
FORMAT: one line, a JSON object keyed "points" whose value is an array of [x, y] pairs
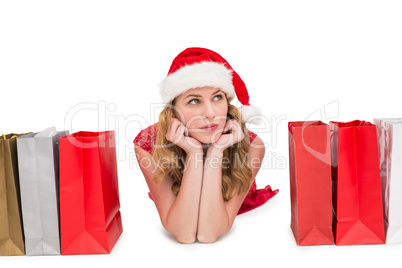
{"points": [[209, 111]]}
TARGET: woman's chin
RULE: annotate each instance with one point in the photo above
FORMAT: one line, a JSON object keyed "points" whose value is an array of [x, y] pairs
{"points": [[207, 137]]}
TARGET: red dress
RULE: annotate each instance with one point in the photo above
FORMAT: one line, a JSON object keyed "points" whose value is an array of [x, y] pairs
{"points": [[146, 140]]}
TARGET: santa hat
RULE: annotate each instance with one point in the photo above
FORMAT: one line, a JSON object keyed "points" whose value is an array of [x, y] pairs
{"points": [[201, 67]]}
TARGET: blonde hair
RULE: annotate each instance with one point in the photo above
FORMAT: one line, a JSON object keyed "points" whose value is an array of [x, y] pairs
{"points": [[170, 158]]}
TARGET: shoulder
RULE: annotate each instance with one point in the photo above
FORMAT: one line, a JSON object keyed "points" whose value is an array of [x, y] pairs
{"points": [[146, 138], [257, 146], [251, 136], [256, 152]]}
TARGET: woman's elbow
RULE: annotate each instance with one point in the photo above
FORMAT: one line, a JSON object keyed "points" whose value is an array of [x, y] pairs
{"points": [[212, 233], [185, 238], [211, 236], [203, 238], [182, 236]]}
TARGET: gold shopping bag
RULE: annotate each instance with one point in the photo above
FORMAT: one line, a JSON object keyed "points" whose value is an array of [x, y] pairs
{"points": [[11, 232]]}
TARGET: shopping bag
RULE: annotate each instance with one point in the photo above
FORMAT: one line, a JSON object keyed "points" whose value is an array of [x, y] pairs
{"points": [[389, 132], [357, 184], [90, 221], [38, 164], [310, 182], [11, 232]]}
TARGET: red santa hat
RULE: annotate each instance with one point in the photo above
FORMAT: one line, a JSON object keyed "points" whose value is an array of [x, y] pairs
{"points": [[201, 67]]}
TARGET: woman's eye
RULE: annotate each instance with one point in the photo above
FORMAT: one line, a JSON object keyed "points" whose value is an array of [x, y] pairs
{"points": [[218, 97], [194, 101]]}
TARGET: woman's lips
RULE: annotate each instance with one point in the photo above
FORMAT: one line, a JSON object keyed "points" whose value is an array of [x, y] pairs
{"points": [[210, 127]]}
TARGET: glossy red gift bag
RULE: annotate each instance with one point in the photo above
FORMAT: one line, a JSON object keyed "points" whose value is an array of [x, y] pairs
{"points": [[310, 182], [357, 184], [90, 221]]}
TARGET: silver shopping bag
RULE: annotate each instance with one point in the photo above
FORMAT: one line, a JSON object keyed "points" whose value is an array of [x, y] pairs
{"points": [[38, 164], [389, 133]]}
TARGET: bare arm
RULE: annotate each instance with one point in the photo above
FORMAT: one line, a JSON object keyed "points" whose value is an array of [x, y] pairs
{"points": [[182, 218], [178, 214], [216, 217]]}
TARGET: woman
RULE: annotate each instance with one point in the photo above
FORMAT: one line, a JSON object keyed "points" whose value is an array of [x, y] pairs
{"points": [[199, 160]]}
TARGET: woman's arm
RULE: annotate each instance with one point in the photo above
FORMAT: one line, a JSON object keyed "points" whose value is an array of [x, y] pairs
{"points": [[178, 214], [216, 216], [182, 218]]}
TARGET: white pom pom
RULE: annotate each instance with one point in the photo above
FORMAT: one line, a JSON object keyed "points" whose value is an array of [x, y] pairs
{"points": [[250, 114]]}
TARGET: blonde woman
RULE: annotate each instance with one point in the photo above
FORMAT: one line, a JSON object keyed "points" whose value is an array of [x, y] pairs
{"points": [[199, 160]]}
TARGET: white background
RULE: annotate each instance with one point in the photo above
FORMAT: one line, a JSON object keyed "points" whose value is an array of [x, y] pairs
{"points": [[96, 65]]}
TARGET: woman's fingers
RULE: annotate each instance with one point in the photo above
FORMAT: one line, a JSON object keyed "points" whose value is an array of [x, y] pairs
{"points": [[230, 126], [178, 134], [237, 131], [186, 134], [226, 128], [173, 132], [235, 135], [180, 131]]}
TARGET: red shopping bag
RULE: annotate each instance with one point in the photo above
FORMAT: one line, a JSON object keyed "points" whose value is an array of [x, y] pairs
{"points": [[90, 221], [310, 182], [357, 184]]}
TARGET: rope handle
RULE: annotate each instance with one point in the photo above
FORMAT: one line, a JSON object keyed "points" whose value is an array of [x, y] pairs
{"points": [[108, 135], [290, 126], [14, 136], [364, 123], [361, 124]]}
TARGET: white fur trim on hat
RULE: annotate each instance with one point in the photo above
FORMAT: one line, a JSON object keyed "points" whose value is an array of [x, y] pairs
{"points": [[251, 114], [203, 74]]}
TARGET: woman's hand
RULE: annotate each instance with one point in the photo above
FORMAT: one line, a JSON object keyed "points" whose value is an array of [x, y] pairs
{"points": [[226, 140], [177, 133]]}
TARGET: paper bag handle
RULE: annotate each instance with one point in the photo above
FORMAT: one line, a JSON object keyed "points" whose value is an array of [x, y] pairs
{"points": [[14, 136], [290, 126], [364, 123], [108, 135]]}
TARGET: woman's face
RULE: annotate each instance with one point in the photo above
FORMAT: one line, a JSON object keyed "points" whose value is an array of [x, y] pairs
{"points": [[203, 111]]}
